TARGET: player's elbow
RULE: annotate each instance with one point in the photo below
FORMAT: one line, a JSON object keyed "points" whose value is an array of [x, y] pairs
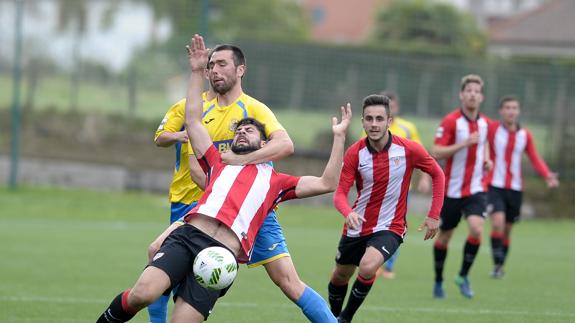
{"points": [[329, 184], [436, 153], [287, 147]]}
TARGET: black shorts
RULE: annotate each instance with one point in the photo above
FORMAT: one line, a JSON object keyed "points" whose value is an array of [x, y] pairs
{"points": [[507, 201], [176, 259], [453, 209], [351, 249]]}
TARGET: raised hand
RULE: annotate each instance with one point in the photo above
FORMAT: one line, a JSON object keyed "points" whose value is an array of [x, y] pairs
{"points": [[197, 54], [341, 127]]}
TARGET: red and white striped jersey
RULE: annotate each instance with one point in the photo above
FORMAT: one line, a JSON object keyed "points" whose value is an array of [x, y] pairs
{"points": [[241, 196], [463, 170], [382, 181], [506, 148]]}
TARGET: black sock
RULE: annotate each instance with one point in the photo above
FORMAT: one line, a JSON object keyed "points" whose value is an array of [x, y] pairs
{"points": [[506, 243], [118, 311], [359, 292], [336, 297], [497, 249], [469, 252], [439, 255]]}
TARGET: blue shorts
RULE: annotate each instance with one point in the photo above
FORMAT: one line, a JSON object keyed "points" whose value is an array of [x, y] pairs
{"points": [[178, 210], [270, 243]]}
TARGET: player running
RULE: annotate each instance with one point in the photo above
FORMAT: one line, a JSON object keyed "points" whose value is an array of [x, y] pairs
{"points": [[404, 129], [381, 166], [508, 140], [461, 140]]}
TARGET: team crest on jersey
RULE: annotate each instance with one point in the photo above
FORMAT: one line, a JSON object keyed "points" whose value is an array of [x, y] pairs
{"points": [[396, 160], [439, 132], [233, 125]]}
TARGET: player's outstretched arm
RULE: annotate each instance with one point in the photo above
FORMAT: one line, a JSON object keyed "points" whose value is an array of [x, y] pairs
{"points": [[424, 162], [198, 59], [313, 185]]}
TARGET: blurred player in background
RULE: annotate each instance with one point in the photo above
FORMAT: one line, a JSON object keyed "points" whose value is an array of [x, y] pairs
{"points": [[404, 129], [184, 194], [381, 165], [507, 142], [227, 66], [461, 140]]}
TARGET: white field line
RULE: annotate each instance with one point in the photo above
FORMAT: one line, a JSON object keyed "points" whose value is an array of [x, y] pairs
{"points": [[456, 311]]}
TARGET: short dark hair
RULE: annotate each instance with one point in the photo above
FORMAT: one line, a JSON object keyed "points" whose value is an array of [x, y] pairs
{"points": [[507, 98], [471, 78], [391, 95], [377, 99], [260, 126], [238, 55]]}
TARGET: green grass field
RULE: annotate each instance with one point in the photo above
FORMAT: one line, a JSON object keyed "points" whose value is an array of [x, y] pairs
{"points": [[66, 254]]}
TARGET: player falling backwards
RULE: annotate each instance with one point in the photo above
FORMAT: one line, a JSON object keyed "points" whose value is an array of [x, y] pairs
{"points": [[229, 214], [225, 70]]}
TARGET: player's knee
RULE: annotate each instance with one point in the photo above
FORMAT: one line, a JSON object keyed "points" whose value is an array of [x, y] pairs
{"points": [[444, 237], [368, 269], [141, 296], [339, 277]]}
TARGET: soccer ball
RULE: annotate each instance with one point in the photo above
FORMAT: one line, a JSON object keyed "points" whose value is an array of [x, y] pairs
{"points": [[215, 268]]}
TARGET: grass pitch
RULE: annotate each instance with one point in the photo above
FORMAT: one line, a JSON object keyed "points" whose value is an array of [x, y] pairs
{"points": [[66, 254]]}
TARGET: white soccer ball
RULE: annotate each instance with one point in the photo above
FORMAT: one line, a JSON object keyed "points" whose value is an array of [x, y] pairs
{"points": [[215, 268]]}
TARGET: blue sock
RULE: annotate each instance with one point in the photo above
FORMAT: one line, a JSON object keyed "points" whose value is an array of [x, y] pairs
{"points": [[389, 264], [314, 307], [158, 310]]}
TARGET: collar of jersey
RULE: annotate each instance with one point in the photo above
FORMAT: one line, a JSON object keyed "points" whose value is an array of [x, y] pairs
{"points": [[479, 115], [385, 148]]}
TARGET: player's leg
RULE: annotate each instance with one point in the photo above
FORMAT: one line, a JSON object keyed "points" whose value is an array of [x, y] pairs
{"points": [[497, 202], [349, 253], [475, 209], [512, 215], [158, 310], [193, 302], [450, 217], [337, 287], [497, 236], [283, 273], [381, 246], [387, 269], [151, 284], [184, 312], [270, 250]]}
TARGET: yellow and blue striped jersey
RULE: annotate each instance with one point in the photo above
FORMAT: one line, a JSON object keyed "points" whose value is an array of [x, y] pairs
{"points": [[180, 188]]}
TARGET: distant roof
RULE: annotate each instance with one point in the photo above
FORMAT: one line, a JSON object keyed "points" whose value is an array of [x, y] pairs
{"points": [[551, 24]]}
